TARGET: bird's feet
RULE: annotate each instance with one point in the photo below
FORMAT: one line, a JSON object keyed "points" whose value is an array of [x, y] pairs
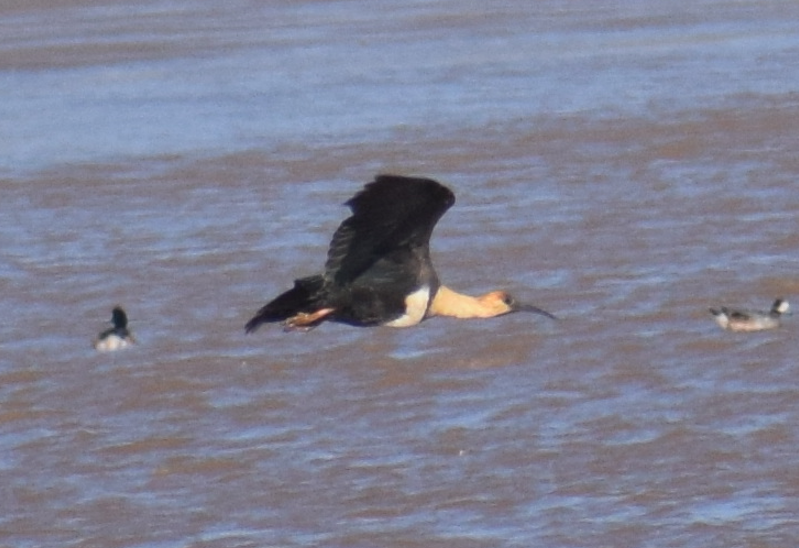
{"points": [[305, 321]]}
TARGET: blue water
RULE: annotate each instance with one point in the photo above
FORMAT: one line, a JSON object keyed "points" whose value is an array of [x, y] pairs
{"points": [[185, 78], [625, 165]]}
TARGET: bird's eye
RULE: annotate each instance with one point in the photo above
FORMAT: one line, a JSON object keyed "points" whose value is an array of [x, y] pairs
{"points": [[508, 300]]}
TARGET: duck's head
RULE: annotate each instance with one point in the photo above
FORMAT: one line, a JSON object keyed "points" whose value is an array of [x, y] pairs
{"points": [[119, 318]]}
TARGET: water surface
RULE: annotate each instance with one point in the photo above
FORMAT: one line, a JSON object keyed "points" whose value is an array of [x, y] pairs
{"points": [[623, 166]]}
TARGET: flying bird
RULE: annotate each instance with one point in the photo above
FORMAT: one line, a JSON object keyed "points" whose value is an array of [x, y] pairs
{"points": [[378, 269], [745, 320], [117, 337]]}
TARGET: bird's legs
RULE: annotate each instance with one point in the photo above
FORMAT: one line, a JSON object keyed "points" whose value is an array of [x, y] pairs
{"points": [[305, 321]]}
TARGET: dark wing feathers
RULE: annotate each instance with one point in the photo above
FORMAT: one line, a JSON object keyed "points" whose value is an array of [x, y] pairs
{"points": [[300, 298], [389, 213], [384, 241]]}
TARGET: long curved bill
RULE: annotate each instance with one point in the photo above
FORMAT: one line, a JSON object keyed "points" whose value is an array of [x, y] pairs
{"points": [[534, 309]]}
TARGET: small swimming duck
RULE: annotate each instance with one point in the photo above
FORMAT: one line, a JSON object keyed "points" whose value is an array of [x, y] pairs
{"points": [[117, 337], [743, 320]]}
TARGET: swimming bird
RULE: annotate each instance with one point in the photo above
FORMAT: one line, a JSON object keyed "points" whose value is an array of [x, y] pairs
{"points": [[117, 337], [744, 320], [378, 269]]}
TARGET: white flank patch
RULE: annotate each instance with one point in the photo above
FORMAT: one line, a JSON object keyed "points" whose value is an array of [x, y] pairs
{"points": [[111, 343], [415, 308], [722, 319]]}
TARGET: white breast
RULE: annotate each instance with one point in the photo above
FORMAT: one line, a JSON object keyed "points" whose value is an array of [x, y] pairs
{"points": [[415, 308]]}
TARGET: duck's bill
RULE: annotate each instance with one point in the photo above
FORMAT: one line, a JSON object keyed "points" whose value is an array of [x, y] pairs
{"points": [[534, 310]]}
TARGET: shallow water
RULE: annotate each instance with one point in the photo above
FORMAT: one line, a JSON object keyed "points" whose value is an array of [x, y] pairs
{"points": [[624, 167]]}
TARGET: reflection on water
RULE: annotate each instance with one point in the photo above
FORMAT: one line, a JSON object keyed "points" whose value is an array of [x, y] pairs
{"points": [[625, 168]]}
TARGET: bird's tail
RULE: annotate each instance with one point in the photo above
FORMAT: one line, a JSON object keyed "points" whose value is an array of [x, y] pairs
{"points": [[300, 298]]}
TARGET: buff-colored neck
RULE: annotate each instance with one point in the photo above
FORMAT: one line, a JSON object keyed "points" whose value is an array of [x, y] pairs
{"points": [[450, 303]]}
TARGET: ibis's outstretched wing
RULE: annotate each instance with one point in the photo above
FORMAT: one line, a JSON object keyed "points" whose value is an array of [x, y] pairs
{"points": [[391, 215]]}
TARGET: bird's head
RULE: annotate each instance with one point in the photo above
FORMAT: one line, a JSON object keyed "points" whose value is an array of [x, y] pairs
{"points": [[497, 303], [119, 318]]}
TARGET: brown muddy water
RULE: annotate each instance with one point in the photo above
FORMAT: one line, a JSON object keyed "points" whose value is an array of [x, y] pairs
{"points": [[624, 165]]}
